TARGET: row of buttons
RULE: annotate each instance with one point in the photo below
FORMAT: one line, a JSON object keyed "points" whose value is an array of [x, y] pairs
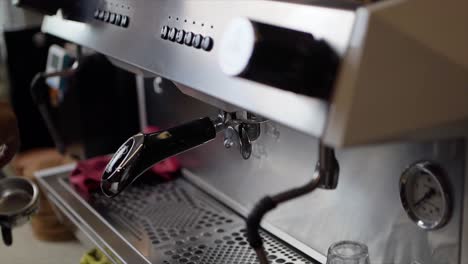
{"points": [[188, 38], [113, 18]]}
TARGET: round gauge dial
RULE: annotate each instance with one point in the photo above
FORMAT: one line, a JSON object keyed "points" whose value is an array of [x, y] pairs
{"points": [[425, 195]]}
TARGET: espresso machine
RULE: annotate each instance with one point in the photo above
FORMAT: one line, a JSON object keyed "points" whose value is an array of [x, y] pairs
{"points": [[297, 124]]}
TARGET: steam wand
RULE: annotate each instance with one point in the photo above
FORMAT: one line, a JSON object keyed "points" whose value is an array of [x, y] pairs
{"points": [[40, 96], [325, 176]]}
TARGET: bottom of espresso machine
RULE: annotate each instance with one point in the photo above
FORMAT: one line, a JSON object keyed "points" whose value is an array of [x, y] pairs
{"points": [[163, 222]]}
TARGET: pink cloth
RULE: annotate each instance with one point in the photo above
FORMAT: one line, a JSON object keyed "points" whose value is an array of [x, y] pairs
{"points": [[86, 177]]}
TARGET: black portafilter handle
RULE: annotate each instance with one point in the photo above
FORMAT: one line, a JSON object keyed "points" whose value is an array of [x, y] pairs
{"points": [[142, 151], [7, 235]]}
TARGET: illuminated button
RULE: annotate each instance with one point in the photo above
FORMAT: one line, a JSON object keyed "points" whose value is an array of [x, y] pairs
{"points": [[188, 38], [164, 32], [180, 36], [96, 13], [118, 18], [101, 15], [207, 43], [196, 42], [112, 18], [172, 34], [125, 21], [106, 16]]}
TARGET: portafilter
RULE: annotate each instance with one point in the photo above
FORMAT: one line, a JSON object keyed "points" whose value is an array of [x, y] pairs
{"points": [[19, 200], [142, 151]]}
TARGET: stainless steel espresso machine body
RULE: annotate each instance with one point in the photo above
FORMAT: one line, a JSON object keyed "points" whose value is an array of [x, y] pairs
{"points": [[344, 74]]}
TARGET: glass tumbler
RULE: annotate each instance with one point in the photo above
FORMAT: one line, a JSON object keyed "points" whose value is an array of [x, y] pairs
{"points": [[348, 252]]}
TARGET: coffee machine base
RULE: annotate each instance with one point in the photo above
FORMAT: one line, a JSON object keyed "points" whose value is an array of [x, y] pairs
{"points": [[161, 222]]}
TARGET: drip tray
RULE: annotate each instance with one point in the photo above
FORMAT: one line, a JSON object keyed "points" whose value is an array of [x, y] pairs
{"points": [[169, 223]]}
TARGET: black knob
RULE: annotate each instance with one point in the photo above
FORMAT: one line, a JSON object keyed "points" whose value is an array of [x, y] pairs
{"points": [[188, 38], [180, 36], [284, 58], [106, 16], [197, 40], [164, 32], [112, 18]]}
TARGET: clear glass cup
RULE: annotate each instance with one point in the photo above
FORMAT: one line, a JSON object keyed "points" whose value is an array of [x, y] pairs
{"points": [[348, 252]]}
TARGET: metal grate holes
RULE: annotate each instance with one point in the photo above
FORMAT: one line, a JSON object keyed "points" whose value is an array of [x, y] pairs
{"points": [[221, 253], [280, 253], [161, 235], [165, 212], [231, 248], [186, 227], [170, 215]]}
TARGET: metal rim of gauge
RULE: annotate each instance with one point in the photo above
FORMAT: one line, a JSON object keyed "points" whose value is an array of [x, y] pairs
{"points": [[438, 178]]}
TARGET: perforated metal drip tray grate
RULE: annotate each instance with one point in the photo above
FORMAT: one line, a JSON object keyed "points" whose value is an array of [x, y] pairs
{"points": [[174, 223]]}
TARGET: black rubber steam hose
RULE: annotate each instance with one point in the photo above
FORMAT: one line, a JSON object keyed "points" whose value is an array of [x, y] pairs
{"points": [[267, 204]]}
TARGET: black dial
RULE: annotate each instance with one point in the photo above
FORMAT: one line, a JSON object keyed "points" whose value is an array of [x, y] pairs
{"points": [[284, 58]]}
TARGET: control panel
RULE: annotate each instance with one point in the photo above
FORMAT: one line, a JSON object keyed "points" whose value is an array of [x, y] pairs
{"points": [[187, 38], [112, 18], [114, 12]]}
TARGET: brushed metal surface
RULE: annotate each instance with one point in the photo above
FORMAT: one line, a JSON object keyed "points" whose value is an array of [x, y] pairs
{"points": [[140, 45], [366, 205], [170, 223], [394, 71]]}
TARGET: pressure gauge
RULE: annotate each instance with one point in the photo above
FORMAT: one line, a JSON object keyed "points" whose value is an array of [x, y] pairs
{"points": [[425, 195]]}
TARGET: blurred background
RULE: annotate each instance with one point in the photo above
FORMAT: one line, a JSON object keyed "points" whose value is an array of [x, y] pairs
{"points": [[24, 52]]}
